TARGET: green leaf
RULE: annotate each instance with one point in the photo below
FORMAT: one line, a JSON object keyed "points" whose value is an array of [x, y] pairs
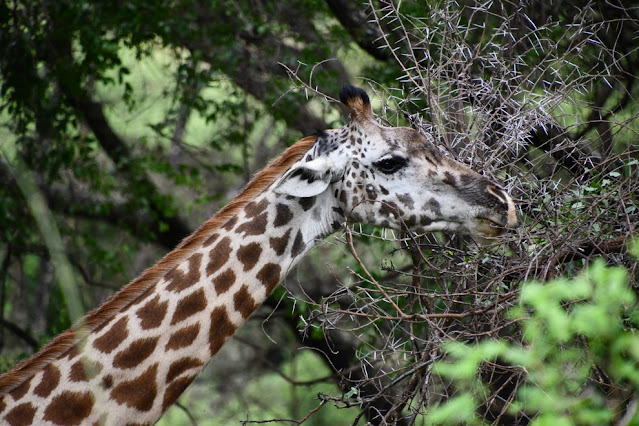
{"points": [[459, 409]]}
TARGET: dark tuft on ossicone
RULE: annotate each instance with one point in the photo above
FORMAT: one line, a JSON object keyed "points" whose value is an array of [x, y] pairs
{"points": [[348, 92]]}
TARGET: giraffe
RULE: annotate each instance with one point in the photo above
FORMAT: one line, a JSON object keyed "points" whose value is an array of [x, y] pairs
{"points": [[128, 360]]}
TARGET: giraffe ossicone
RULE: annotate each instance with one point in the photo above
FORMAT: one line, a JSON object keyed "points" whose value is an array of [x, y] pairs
{"points": [[128, 360]]}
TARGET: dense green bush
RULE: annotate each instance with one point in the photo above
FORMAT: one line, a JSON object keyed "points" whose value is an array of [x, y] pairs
{"points": [[579, 336]]}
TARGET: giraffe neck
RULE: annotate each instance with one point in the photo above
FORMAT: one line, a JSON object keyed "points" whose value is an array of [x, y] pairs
{"points": [[144, 355], [198, 305]]}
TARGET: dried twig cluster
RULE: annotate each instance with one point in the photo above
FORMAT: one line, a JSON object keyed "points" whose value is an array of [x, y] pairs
{"points": [[541, 103]]}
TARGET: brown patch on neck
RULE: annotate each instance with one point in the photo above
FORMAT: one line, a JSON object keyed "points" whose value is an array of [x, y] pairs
{"points": [[66, 341]]}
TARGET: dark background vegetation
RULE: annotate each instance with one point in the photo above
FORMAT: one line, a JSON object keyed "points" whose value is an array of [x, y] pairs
{"points": [[124, 124]]}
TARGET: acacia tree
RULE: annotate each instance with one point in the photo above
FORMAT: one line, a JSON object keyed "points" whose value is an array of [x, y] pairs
{"points": [[541, 97]]}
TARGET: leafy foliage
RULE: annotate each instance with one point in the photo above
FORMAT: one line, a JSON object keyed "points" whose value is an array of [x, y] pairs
{"points": [[578, 341]]}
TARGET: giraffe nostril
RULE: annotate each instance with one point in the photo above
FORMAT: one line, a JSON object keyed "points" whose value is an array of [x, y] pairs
{"points": [[510, 217], [498, 193]]}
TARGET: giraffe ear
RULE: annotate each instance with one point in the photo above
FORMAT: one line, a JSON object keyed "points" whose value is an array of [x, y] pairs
{"points": [[357, 102], [306, 179]]}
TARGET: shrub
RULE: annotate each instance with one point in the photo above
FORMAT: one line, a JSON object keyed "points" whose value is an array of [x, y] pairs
{"points": [[579, 353]]}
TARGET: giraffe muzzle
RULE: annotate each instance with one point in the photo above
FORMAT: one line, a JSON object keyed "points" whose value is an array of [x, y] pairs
{"points": [[488, 227], [495, 223]]}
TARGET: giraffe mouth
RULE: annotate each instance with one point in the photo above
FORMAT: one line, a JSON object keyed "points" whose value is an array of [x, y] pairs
{"points": [[488, 227]]}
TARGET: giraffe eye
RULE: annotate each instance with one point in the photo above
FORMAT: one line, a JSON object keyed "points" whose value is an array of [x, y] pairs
{"points": [[390, 165]]}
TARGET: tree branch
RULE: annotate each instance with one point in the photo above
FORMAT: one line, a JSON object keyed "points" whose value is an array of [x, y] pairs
{"points": [[367, 35], [20, 333], [119, 152]]}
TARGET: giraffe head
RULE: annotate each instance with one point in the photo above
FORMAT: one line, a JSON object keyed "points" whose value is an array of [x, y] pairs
{"points": [[395, 177]]}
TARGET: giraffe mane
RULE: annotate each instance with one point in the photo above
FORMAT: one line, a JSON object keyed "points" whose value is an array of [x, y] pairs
{"points": [[92, 321]]}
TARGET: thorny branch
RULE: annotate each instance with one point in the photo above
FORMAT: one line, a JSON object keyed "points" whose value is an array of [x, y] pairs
{"points": [[528, 112]]}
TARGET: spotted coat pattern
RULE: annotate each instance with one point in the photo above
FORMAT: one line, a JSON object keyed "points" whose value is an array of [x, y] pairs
{"points": [[134, 355]]}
